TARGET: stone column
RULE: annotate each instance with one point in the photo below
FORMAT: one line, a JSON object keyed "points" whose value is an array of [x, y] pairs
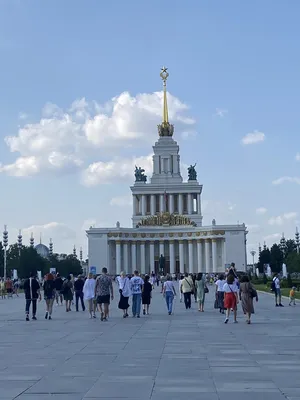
{"points": [[171, 203], [199, 204], [223, 254], [143, 257], [125, 256], [118, 257], [161, 248], [181, 255], [133, 256], [214, 256], [152, 261], [191, 256], [189, 201], [161, 203], [152, 204], [172, 256], [207, 256], [143, 204], [199, 255], [134, 204], [180, 203]]}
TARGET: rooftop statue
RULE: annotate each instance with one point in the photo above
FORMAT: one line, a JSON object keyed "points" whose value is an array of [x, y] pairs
{"points": [[192, 173], [139, 175]]}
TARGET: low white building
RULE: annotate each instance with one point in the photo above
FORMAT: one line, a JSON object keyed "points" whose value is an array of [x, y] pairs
{"points": [[167, 220]]}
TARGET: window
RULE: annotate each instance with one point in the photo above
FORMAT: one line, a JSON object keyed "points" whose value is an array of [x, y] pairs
{"points": [[185, 204], [148, 204], [157, 203]]}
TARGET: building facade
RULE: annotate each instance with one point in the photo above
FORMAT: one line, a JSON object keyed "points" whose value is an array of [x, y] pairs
{"points": [[167, 231]]}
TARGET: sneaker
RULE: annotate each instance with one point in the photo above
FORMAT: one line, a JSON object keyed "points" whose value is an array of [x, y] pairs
{"points": [[144, 312], [169, 313], [34, 318], [281, 305], [235, 322], [27, 317], [102, 316], [138, 316], [50, 317], [226, 321], [46, 315], [94, 316]]}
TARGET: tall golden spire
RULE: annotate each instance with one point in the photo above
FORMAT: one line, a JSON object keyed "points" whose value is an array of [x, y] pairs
{"points": [[165, 129], [164, 76]]}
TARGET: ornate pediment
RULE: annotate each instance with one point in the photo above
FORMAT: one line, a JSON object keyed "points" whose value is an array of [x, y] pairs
{"points": [[166, 219]]}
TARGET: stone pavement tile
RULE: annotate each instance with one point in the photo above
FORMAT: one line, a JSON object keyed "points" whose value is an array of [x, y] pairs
{"points": [[185, 396], [244, 386], [136, 390], [12, 389], [119, 372], [62, 385], [250, 395], [63, 396], [292, 391]]}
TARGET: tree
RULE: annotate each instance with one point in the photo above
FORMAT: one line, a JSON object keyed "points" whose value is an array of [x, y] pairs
{"points": [[1, 259], [264, 258], [276, 258], [293, 262], [290, 247], [69, 265]]}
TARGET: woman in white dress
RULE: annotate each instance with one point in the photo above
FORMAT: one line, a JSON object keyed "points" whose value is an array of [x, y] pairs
{"points": [[89, 293]]}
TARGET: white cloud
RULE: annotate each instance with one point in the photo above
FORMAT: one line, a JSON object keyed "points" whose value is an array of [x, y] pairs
{"points": [[281, 219], [272, 237], [252, 138], [115, 171], [23, 115], [261, 211], [285, 179], [68, 139], [253, 228], [121, 201], [297, 157], [220, 112], [188, 135]]}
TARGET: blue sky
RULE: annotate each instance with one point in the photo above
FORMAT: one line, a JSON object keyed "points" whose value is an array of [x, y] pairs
{"points": [[238, 57]]}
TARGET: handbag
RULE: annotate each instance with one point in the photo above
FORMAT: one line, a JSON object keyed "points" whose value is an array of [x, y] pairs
{"points": [[252, 291], [206, 290]]}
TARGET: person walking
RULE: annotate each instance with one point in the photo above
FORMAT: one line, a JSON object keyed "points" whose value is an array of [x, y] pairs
{"points": [[179, 287], [220, 293], [187, 288], [78, 288], [49, 295], [200, 290], [89, 293], [125, 293], [136, 285], [58, 288], [246, 294], [67, 290], [277, 290], [104, 292], [293, 296], [169, 293], [146, 295], [231, 298], [32, 294]]}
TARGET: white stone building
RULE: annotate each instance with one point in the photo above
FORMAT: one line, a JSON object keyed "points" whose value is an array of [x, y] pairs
{"points": [[167, 220]]}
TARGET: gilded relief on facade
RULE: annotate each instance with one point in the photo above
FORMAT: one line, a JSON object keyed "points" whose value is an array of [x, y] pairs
{"points": [[168, 219]]}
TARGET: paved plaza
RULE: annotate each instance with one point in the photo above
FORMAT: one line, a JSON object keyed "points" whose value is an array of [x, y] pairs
{"points": [[188, 355]]}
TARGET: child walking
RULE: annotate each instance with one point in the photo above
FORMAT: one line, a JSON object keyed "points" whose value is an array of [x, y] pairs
{"points": [[292, 296]]}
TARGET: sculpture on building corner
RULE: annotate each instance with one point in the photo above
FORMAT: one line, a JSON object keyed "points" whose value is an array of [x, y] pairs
{"points": [[140, 175], [192, 173]]}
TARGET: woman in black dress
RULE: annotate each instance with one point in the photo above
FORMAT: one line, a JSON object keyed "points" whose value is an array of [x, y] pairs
{"points": [[146, 295], [125, 292]]}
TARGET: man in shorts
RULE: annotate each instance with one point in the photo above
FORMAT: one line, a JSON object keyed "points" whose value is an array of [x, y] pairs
{"points": [[103, 293]]}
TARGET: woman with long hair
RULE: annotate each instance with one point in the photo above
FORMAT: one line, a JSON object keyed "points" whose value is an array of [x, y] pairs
{"points": [[231, 297], [125, 293], [200, 290], [169, 293], [247, 294], [89, 293], [49, 294], [68, 292], [146, 295]]}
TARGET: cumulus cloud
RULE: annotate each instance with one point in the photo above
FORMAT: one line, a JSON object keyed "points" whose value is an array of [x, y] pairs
{"points": [[261, 211], [117, 170], [68, 139], [284, 179], [281, 219], [297, 157], [252, 138]]}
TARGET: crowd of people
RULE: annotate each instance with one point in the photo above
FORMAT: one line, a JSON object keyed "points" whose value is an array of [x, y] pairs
{"points": [[96, 292]]}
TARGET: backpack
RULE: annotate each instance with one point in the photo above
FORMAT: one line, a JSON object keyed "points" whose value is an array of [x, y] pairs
{"points": [[273, 286]]}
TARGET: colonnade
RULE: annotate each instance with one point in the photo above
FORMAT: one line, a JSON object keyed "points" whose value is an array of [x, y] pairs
{"points": [[176, 203], [188, 255]]}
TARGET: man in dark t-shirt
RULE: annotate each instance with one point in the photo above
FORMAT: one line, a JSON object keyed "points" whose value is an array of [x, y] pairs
{"points": [[103, 293], [78, 287]]}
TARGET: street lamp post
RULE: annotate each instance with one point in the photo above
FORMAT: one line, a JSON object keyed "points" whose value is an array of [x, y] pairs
{"points": [[253, 252], [5, 244]]}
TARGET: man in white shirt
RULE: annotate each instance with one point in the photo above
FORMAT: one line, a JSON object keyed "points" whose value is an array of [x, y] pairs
{"points": [[277, 291]]}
